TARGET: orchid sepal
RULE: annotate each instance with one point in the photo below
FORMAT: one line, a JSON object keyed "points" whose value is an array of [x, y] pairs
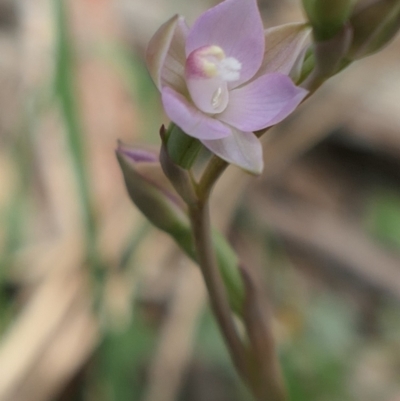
{"points": [[285, 46], [165, 68]]}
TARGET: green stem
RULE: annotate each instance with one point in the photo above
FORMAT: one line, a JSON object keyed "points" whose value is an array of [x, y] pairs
{"points": [[215, 168], [200, 220], [262, 376], [266, 374], [227, 263]]}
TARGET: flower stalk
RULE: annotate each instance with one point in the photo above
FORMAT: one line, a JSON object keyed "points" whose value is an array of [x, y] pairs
{"points": [[254, 356], [223, 88], [201, 229], [266, 374]]}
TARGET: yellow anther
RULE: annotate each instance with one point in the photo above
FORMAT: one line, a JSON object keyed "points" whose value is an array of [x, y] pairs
{"points": [[209, 68], [217, 52], [212, 51]]}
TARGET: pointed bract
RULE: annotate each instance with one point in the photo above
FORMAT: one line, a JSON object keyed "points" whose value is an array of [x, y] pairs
{"points": [[179, 177]]}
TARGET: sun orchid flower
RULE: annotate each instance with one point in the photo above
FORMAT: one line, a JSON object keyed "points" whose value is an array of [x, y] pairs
{"points": [[226, 77]]}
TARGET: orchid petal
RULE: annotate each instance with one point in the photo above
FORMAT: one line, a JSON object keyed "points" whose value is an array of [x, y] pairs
{"points": [[284, 46], [190, 119], [262, 103], [165, 56], [241, 148], [236, 27]]}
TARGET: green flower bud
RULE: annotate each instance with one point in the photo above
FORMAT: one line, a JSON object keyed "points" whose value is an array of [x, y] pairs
{"points": [[374, 24], [151, 191], [154, 196], [327, 59], [327, 16]]}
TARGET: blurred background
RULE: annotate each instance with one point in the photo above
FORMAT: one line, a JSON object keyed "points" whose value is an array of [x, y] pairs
{"points": [[97, 305]]}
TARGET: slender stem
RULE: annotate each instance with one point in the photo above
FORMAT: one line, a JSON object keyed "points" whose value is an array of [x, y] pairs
{"points": [[200, 220], [215, 168], [267, 377], [262, 377]]}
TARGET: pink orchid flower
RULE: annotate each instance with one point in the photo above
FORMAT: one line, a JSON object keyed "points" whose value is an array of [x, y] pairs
{"points": [[226, 77]]}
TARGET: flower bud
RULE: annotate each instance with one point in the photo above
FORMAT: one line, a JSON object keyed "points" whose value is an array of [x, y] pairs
{"points": [[154, 196], [327, 16], [330, 53], [150, 190], [374, 24], [327, 59]]}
